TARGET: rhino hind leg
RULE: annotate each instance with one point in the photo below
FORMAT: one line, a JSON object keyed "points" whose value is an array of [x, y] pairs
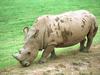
{"points": [[53, 54], [82, 47], [90, 37], [89, 42], [46, 53]]}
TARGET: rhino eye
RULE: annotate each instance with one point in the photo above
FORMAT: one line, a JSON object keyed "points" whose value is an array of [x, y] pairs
{"points": [[19, 51], [29, 53]]}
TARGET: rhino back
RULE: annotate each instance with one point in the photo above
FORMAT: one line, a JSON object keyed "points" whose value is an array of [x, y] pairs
{"points": [[69, 28]]}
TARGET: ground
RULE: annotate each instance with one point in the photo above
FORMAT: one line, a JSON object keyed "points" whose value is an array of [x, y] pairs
{"points": [[75, 63]]}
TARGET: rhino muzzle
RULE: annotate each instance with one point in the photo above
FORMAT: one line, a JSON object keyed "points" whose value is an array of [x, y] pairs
{"points": [[23, 63]]}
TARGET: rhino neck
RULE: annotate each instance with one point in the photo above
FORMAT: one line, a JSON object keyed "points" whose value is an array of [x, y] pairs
{"points": [[41, 38]]}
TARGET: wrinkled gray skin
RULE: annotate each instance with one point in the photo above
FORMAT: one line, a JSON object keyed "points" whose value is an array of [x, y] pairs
{"points": [[61, 30]]}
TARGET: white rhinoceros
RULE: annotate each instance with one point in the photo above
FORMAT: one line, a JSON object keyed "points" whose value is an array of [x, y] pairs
{"points": [[51, 31]]}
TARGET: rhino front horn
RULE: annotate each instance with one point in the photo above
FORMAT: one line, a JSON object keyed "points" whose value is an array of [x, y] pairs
{"points": [[15, 56]]}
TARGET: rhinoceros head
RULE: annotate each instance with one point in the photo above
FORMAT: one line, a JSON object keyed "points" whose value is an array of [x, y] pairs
{"points": [[30, 49]]}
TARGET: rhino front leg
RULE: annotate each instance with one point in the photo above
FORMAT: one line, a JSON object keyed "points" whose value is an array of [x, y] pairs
{"points": [[53, 54], [82, 47], [46, 53]]}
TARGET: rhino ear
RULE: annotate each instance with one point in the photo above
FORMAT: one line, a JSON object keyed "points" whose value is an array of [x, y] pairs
{"points": [[25, 30]]}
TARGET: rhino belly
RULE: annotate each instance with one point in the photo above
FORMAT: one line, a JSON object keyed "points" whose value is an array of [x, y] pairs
{"points": [[70, 42], [77, 37]]}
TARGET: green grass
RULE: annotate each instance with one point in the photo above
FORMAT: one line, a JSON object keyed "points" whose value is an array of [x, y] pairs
{"points": [[16, 14]]}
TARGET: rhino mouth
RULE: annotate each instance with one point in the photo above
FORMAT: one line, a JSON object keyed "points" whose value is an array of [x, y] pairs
{"points": [[23, 63]]}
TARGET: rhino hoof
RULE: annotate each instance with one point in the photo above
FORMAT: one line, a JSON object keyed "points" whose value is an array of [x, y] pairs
{"points": [[85, 51], [53, 57], [42, 61]]}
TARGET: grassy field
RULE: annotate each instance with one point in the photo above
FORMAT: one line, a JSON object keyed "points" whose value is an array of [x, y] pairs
{"points": [[16, 14]]}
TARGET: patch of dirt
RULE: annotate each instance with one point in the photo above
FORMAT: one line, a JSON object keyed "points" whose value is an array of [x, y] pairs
{"points": [[76, 63]]}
